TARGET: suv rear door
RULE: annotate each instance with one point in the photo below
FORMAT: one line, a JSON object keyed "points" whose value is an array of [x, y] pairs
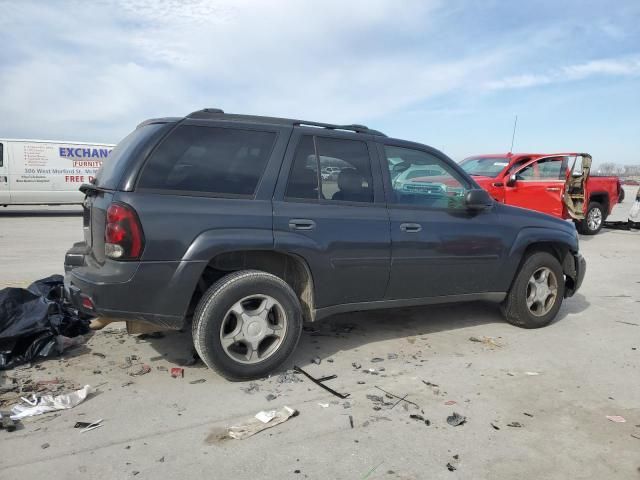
{"points": [[340, 226], [438, 247]]}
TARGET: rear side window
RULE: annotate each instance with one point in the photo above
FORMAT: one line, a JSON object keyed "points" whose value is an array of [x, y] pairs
{"points": [[209, 160], [331, 169]]}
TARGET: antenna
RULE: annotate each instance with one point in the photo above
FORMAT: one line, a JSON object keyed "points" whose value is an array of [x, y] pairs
{"points": [[513, 136]]}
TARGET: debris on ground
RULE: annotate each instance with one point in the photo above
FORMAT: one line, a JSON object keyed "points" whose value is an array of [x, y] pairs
{"points": [[177, 372], [316, 360], [392, 356], [636, 435], [515, 425], [616, 418], [403, 399], [288, 377], [271, 397], [489, 341], [6, 422], [450, 402], [44, 446], [37, 323], [532, 373], [495, 427], [319, 382], [356, 365], [87, 426], [415, 416], [261, 421], [351, 420], [527, 414], [49, 403], [200, 380], [252, 388], [143, 369], [455, 419], [377, 360], [323, 405], [452, 465]]}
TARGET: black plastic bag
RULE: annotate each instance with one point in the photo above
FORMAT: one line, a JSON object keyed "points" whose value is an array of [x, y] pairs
{"points": [[34, 321]]}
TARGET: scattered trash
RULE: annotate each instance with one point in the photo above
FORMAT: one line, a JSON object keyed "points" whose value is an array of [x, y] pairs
{"points": [[142, 370], [489, 341], [452, 466], [319, 382], [200, 380], [368, 474], [126, 384], [316, 360], [629, 323], [450, 402], [324, 405], [616, 418], [377, 360], [177, 372], [360, 382], [396, 396], [261, 421], [429, 384], [532, 373], [495, 427], [88, 426], [98, 354], [44, 446], [351, 420], [456, 419], [37, 322], [515, 425], [288, 377], [7, 423], [392, 356], [271, 397], [636, 435], [527, 414], [356, 365], [49, 403], [375, 398], [415, 416]]}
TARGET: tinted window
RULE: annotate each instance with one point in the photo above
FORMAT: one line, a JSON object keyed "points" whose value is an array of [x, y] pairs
{"points": [[113, 166], [546, 169], [419, 178], [344, 170], [209, 160]]}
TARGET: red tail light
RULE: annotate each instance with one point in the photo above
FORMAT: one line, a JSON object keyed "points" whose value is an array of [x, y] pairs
{"points": [[123, 235]]}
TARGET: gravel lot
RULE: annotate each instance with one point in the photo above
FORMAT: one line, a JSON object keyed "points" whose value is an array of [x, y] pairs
{"points": [[586, 367]]}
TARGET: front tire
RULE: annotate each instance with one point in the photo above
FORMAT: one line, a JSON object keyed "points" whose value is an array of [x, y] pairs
{"points": [[593, 220], [247, 324], [537, 292]]}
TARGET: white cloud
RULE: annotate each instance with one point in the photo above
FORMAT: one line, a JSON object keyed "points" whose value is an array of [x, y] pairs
{"points": [[627, 66]]}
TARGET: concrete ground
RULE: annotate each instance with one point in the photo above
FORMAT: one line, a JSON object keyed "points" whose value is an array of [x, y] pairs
{"points": [[559, 383]]}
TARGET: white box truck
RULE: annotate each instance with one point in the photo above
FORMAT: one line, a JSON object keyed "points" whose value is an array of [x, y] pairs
{"points": [[47, 172]]}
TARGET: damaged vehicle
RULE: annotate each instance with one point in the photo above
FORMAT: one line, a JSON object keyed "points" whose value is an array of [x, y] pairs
{"points": [[223, 222], [559, 184]]}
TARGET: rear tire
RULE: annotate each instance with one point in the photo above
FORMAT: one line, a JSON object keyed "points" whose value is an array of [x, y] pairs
{"points": [[530, 304], [593, 220], [233, 315]]}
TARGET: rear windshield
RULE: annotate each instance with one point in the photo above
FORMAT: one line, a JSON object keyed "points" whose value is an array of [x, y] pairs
{"points": [[113, 166], [208, 160], [484, 167]]}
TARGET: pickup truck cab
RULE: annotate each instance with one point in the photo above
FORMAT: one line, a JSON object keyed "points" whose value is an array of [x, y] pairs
{"points": [[225, 222], [557, 184]]}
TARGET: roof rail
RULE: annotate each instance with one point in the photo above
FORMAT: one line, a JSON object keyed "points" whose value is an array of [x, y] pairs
{"points": [[352, 127], [205, 112]]}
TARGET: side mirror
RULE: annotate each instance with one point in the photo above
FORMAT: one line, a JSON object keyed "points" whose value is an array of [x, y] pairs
{"points": [[477, 199], [512, 180]]}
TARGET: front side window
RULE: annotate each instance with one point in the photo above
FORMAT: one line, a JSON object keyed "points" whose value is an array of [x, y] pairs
{"points": [[419, 178], [545, 169], [484, 167], [331, 169], [223, 161]]}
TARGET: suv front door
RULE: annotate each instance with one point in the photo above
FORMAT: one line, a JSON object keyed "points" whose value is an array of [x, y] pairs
{"points": [[539, 185], [438, 247], [338, 224]]}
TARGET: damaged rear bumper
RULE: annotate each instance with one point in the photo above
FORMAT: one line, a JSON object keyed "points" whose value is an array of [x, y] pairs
{"points": [[574, 267]]}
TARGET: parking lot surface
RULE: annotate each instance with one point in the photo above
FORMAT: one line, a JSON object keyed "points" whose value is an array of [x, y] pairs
{"points": [[558, 384]]}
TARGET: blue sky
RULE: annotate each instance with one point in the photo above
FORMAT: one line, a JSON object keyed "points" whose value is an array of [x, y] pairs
{"points": [[451, 74]]}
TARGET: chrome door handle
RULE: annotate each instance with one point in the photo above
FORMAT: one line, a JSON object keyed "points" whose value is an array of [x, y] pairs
{"points": [[410, 227]]}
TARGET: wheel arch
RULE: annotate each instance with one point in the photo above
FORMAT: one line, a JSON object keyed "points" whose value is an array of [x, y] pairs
{"points": [[603, 199]]}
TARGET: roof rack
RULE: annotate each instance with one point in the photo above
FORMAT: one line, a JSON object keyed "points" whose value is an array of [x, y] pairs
{"points": [[217, 112]]}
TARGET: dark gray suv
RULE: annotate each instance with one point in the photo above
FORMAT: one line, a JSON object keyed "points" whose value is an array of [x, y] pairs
{"points": [[230, 221]]}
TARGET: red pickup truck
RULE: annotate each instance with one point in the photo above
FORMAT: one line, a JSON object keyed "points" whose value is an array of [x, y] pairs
{"points": [[558, 184]]}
